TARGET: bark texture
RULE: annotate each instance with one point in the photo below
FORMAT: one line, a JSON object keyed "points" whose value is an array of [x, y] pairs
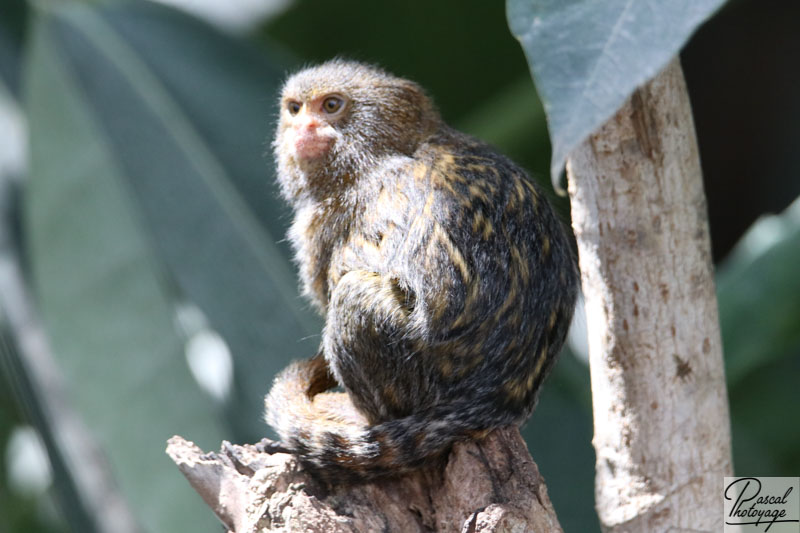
{"points": [[661, 419], [487, 486]]}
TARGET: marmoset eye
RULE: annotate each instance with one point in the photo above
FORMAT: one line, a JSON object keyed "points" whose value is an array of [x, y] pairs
{"points": [[332, 104], [293, 107]]}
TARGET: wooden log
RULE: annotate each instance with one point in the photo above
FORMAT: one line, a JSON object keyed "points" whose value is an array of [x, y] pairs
{"points": [[483, 486], [661, 420]]}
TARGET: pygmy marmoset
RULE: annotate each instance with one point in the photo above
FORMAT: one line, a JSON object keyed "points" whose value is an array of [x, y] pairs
{"points": [[446, 281]]}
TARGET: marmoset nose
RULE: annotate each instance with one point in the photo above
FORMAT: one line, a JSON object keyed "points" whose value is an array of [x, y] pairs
{"points": [[306, 123], [310, 139]]}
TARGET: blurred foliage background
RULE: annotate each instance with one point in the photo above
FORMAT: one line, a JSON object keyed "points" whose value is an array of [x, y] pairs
{"points": [[140, 220]]}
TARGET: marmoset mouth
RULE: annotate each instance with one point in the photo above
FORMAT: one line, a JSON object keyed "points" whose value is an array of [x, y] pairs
{"points": [[312, 146]]}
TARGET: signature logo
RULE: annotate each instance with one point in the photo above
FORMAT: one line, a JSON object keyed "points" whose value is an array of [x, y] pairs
{"points": [[758, 504]]}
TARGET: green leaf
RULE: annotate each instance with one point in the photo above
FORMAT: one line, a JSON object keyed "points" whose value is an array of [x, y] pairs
{"points": [[759, 295], [757, 289], [587, 57], [188, 123], [149, 189], [106, 303], [765, 433]]}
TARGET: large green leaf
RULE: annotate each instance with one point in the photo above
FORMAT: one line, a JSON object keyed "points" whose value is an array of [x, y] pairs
{"points": [[759, 299], [149, 188], [187, 113], [587, 57], [759, 295], [106, 303], [759, 305]]}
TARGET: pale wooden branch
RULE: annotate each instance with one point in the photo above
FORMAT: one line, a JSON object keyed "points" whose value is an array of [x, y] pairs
{"points": [[660, 405], [487, 486]]}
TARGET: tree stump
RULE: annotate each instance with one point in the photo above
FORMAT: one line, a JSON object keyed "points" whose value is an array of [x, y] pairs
{"points": [[482, 486]]}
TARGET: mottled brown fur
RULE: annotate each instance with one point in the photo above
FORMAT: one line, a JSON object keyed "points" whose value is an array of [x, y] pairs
{"points": [[446, 281]]}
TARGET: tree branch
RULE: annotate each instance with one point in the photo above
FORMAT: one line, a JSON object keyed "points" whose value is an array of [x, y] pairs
{"points": [[486, 486], [661, 420]]}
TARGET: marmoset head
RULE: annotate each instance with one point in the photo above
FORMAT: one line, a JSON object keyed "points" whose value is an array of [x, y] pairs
{"points": [[339, 119]]}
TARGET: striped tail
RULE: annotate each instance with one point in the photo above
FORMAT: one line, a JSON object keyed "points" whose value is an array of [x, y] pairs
{"points": [[335, 441]]}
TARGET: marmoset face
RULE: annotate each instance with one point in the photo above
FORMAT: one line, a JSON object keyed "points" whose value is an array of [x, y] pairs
{"points": [[309, 123], [342, 118]]}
